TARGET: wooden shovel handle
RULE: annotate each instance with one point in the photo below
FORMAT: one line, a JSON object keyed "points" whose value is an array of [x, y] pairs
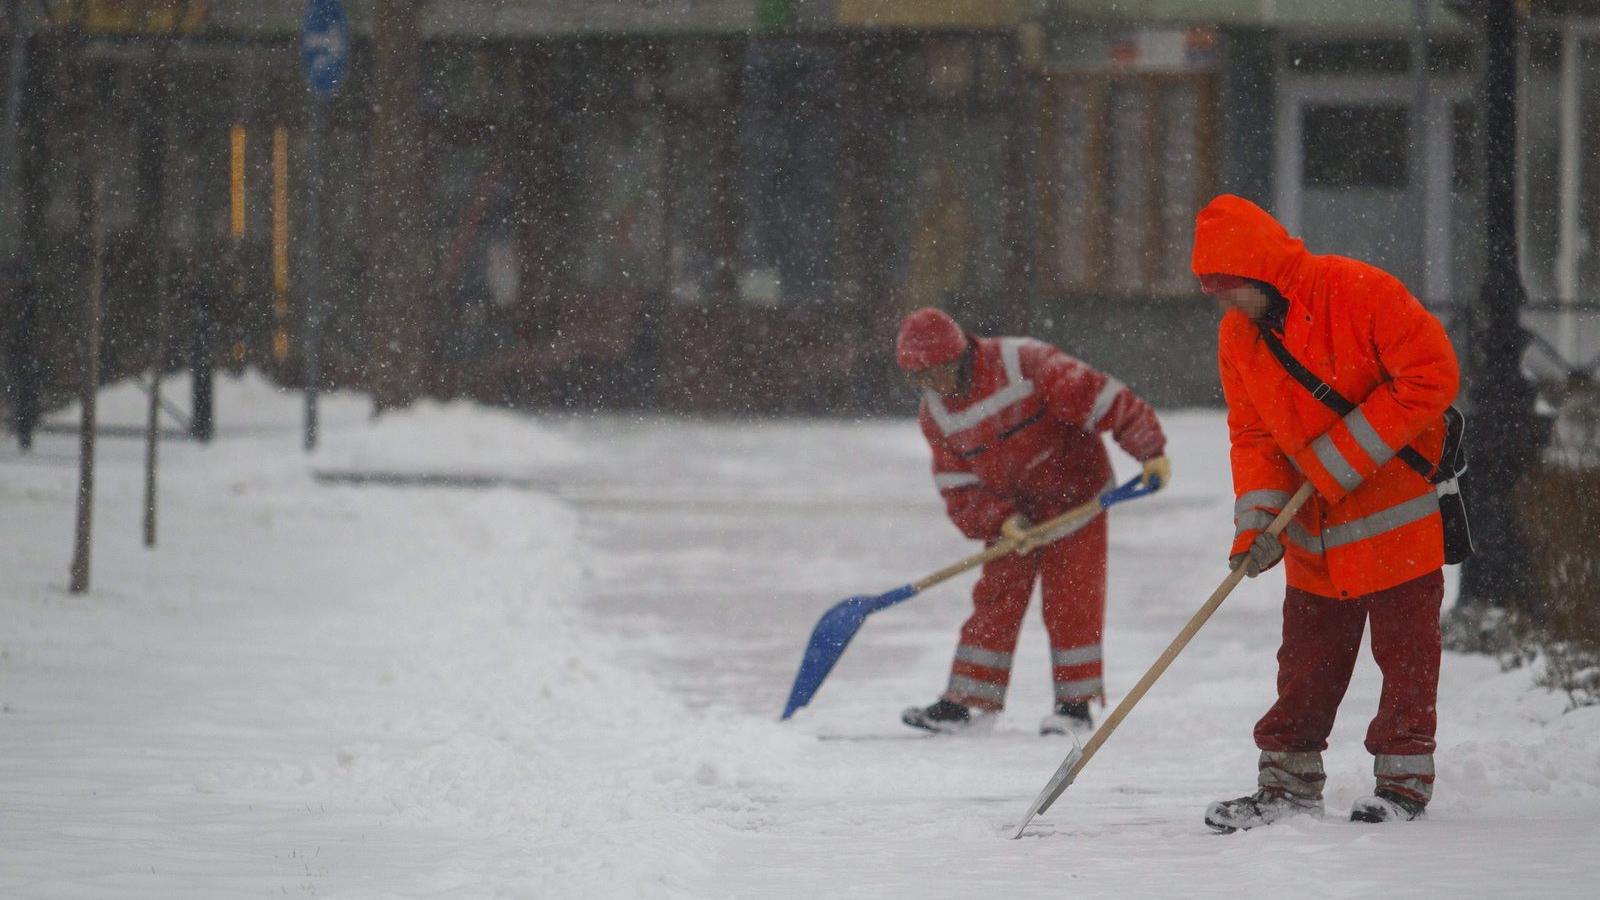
{"points": [[1182, 640], [1002, 547]]}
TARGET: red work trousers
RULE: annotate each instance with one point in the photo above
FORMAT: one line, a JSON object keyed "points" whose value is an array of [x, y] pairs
{"points": [[1321, 638], [1072, 576]]}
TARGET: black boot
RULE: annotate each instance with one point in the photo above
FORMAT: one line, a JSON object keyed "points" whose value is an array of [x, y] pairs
{"points": [[1261, 808], [1386, 806], [945, 716], [1070, 716]]}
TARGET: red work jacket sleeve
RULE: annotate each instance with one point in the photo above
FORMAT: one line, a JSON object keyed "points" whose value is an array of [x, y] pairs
{"points": [[1263, 478], [1077, 394], [1422, 377], [977, 511]]}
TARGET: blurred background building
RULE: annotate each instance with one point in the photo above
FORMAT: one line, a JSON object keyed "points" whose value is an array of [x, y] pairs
{"points": [[726, 205]]}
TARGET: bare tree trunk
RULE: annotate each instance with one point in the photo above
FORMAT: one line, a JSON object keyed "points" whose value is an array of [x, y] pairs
{"points": [[399, 311], [158, 110], [153, 426], [91, 386]]}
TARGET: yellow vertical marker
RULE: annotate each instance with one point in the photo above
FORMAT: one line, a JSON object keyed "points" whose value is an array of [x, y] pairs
{"points": [[236, 203], [280, 243], [237, 180]]}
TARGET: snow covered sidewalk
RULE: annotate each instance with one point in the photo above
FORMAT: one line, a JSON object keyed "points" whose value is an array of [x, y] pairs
{"points": [[568, 685]]}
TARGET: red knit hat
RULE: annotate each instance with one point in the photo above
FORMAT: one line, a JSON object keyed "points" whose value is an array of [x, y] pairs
{"points": [[928, 337]]}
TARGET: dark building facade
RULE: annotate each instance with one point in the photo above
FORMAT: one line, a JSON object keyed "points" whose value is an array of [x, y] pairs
{"points": [[707, 206]]}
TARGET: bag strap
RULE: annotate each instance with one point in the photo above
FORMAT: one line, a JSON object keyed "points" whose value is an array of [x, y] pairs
{"points": [[1334, 400]]}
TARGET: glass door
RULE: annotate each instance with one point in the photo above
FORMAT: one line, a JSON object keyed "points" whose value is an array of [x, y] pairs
{"points": [[1349, 175]]}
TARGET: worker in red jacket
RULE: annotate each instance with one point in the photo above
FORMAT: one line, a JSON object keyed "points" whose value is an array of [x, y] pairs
{"points": [[1015, 425]]}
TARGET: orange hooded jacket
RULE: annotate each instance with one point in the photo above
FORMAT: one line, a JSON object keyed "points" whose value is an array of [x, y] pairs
{"points": [[1373, 522]]}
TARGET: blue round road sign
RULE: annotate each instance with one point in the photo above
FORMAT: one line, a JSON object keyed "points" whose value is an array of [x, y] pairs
{"points": [[325, 45]]}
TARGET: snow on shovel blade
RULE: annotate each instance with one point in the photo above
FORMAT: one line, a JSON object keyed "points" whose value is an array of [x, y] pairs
{"points": [[832, 634]]}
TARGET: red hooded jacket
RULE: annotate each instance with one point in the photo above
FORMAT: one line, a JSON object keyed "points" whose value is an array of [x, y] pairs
{"points": [[1374, 521]]}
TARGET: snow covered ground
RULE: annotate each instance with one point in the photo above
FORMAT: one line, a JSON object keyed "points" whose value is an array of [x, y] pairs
{"points": [[564, 682]]}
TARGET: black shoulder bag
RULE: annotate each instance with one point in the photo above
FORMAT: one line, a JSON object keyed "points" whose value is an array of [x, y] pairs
{"points": [[1446, 477]]}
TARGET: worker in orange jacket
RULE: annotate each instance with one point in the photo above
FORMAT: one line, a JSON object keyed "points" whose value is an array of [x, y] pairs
{"points": [[1369, 544]]}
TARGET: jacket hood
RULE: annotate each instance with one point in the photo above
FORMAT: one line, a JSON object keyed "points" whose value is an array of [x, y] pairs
{"points": [[1233, 236]]}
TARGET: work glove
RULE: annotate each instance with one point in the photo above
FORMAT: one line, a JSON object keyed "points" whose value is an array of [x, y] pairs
{"points": [[1264, 553], [1014, 531], [1157, 469]]}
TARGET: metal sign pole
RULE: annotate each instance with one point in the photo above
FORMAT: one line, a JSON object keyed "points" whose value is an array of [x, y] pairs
{"points": [[314, 273], [324, 52]]}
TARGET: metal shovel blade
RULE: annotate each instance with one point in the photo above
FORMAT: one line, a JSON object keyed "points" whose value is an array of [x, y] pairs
{"points": [[1063, 777]]}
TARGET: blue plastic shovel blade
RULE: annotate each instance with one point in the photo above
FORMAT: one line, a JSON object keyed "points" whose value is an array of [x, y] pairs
{"points": [[828, 640], [839, 624]]}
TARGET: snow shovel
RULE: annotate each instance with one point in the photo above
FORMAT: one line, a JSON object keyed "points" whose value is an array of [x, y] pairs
{"points": [[1079, 757], [839, 624]]}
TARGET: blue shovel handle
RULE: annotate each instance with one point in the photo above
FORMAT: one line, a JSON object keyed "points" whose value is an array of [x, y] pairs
{"points": [[1131, 490]]}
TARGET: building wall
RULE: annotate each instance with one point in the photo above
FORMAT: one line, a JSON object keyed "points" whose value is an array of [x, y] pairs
{"points": [[736, 221]]}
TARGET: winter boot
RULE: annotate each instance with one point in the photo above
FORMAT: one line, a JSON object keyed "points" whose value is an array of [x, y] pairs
{"points": [[946, 717], [1386, 806], [1070, 716], [1261, 808], [1290, 785]]}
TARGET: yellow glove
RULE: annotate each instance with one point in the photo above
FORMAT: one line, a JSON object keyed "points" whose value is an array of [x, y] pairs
{"points": [[1160, 469], [1014, 531]]}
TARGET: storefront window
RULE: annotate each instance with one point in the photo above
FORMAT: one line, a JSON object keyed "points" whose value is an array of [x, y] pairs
{"points": [[1128, 161], [945, 208], [695, 265], [480, 263], [789, 185], [619, 235]]}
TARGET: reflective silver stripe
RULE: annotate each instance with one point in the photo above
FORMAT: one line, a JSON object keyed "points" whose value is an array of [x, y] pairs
{"points": [[1412, 774], [1254, 520], [963, 687], [993, 659], [1367, 437], [1080, 689], [1305, 540], [1413, 510], [1392, 765], [1335, 463], [946, 481], [1302, 762], [1102, 403], [1016, 389], [1294, 532], [1299, 774], [1038, 458], [1273, 500], [1075, 656], [1011, 357]]}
